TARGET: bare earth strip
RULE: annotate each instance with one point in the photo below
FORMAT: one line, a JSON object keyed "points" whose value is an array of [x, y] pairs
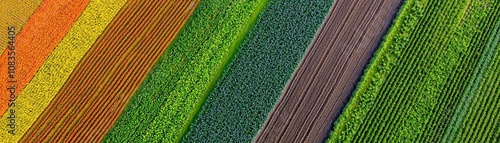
{"points": [[328, 73]]}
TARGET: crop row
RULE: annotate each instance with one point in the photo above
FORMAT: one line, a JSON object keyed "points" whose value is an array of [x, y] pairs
{"points": [[253, 81], [452, 67], [378, 70], [56, 69], [404, 89], [166, 100], [449, 57], [395, 89], [479, 122]]}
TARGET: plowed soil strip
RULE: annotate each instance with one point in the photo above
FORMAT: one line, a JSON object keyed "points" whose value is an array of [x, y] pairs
{"points": [[328, 73], [111, 72], [38, 38]]}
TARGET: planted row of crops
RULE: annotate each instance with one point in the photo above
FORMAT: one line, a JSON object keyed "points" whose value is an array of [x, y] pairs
{"points": [[34, 43], [421, 74], [252, 83], [37, 95], [110, 72], [165, 103], [479, 120]]}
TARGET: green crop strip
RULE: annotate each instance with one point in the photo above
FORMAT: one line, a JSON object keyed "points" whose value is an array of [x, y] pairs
{"points": [[254, 79], [420, 74]]}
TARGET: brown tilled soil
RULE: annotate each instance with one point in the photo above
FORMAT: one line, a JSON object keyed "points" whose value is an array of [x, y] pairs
{"points": [[328, 73], [103, 82]]}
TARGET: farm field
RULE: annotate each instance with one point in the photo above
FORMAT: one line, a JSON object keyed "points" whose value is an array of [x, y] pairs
{"points": [[33, 49], [430, 79], [219, 71], [37, 95], [323, 82], [251, 83], [110, 74], [14, 14], [178, 82]]}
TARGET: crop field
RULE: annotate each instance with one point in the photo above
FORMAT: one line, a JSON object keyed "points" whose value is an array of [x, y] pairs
{"points": [[480, 101], [252, 82], [260, 71], [37, 95], [16, 15], [328, 73], [426, 79]]}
